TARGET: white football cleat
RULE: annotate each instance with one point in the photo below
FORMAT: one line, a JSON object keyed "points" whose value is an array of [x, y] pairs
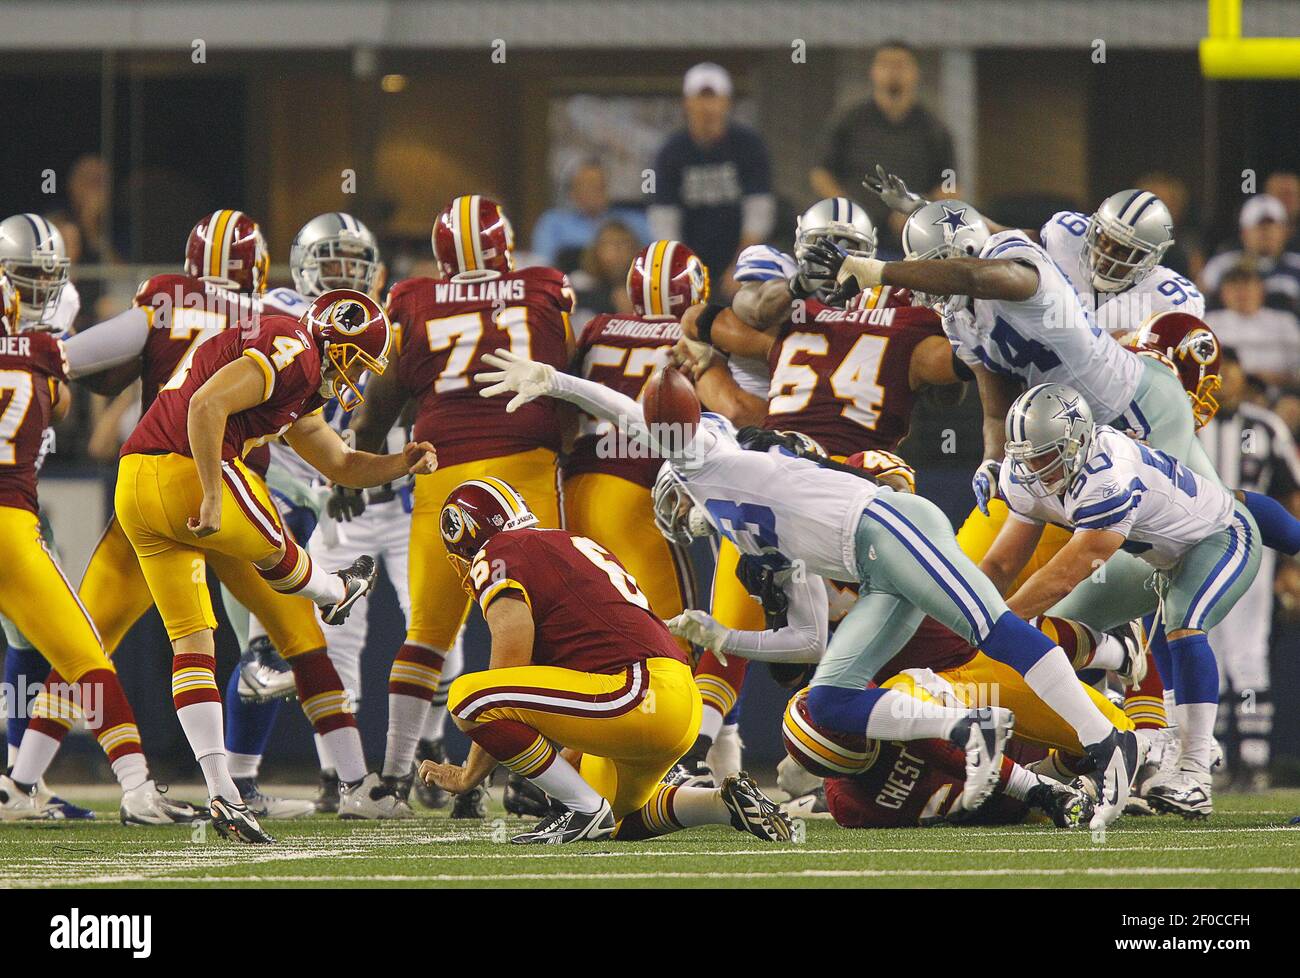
{"points": [[983, 741], [18, 804], [373, 797], [146, 805], [1188, 792], [1117, 759]]}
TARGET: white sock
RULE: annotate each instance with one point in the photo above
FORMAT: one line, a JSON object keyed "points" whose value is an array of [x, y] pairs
{"points": [[344, 747], [700, 806], [131, 771], [710, 723], [34, 757], [898, 716], [323, 752], [322, 587], [1053, 680], [1195, 733], [1108, 654], [243, 765], [1171, 708], [203, 729], [405, 721], [563, 783], [12, 755], [255, 628], [1020, 782]]}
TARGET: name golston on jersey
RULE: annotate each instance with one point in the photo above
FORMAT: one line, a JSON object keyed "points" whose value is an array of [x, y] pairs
{"points": [[776, 503], [1049, 337], [1159, 505], [1160, 290]]}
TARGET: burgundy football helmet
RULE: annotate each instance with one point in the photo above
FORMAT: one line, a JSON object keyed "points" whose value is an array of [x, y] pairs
{"points": [[473, 236], [666, 278], [475, 512], [227, 248], [821, 752], [352, 329], [1189, 347]]}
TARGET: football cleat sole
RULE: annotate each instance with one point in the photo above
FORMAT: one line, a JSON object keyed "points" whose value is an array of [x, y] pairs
{"points": [[754, 812]]}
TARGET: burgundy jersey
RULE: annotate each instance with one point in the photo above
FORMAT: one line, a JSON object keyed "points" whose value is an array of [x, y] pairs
{"points": [[911, 782], [588, 612], [445, 327], [842, 376], [932, 646], [31, 366], [290, 359], [620, 352]]}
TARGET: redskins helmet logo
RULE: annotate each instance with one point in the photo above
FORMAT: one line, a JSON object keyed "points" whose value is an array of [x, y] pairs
{"points": [[455, 523], [348, 317], [1201, 345]]}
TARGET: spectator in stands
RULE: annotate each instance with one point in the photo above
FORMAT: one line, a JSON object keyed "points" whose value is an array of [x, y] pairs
{"points": [[562, 233], [1264, 232], [713, 183], [1285, 186], [1187, 256], [893, 129], [601, 278], [1267, 341]]}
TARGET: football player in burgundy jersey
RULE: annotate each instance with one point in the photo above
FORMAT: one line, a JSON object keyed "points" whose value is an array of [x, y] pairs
{"points": [[223, 283], [185, 496], [579, 660], [848, 378], [880, 784], [607, 483], [38, 599], [442, 328]]}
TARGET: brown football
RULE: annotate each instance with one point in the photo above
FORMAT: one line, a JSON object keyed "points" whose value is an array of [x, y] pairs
{"points": [[669, 398]]}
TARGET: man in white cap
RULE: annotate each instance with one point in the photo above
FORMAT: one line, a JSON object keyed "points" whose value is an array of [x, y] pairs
{"points": [[712, 179], [1264, 232]]}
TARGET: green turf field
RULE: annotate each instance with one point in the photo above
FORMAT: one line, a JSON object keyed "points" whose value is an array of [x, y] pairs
{"points": [[1244, 844]]}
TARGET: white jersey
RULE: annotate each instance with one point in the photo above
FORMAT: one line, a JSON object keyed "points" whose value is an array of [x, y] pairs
{"points": [[773, 502], [1049, 337], [1159, 290], [1159, 505]]}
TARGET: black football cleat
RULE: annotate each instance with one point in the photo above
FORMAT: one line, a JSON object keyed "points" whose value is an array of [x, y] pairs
{"points": [[524, 798], [1068, 807], [754, 812], [568, 826], [236, 823], [471, 805], [357, 579], [982, 740]]}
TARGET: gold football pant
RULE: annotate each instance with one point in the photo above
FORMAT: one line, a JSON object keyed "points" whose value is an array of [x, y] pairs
{"points": [[38, 599], [618, 514], [156, 495], [977, 534], [439, 604], [985, 682], [631, 726]]}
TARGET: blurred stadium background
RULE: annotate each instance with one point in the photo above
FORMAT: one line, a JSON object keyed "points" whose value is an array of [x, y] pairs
{"points": [[126, 121]]}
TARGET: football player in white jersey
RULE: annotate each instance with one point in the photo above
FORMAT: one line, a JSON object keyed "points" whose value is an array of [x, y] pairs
{"points": [[1200, 547], [840, 526], [1112, 256]]}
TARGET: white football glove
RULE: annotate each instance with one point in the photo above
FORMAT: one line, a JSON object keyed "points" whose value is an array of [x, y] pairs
{"points": [[702, 629], [891, 189], [527, 378]]}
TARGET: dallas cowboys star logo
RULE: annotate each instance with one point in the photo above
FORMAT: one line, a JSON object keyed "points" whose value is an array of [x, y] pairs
{"points": [[953, 220], [1069, 412]]}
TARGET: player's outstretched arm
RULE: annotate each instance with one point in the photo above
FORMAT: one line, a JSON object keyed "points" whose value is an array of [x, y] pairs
{"points": [[1086, 551], [1010, 552], [997, 393], [760, 305], [529, 380], [323, 449], [980, 278], [802, 639], [375, 418]]}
